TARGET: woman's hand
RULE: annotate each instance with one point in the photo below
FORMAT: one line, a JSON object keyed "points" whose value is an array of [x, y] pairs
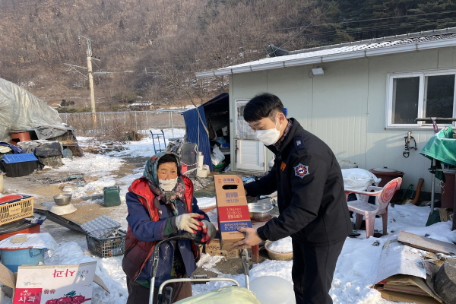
{"points": [[208, 232], [188, 222]]}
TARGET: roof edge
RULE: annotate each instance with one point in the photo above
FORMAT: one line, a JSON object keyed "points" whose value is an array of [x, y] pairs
{"points": [[395, 49]]}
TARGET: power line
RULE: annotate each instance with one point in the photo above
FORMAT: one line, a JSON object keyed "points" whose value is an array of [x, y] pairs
{"points": [[305, 27], [367, 20]]}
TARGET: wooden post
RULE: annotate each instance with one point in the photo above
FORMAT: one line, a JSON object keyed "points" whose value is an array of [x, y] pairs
{"points": [[454, 205], [255, 253]]}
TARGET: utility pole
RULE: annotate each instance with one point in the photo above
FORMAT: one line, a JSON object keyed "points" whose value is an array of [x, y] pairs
{"points": [[89, 71]]}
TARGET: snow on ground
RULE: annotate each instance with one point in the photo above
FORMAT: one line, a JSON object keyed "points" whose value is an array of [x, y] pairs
{"points": [[356, 268], [145, 147]]}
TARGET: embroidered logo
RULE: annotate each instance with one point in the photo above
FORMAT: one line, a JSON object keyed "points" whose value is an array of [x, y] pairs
{"points": [[301, 170], [283, 166]]}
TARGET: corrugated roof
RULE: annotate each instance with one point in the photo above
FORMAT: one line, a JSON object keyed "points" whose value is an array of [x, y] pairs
{"points": [[359, 49]]}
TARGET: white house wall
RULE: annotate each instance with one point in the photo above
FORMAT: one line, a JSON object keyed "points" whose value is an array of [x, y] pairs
{"points": [[345, 107]]}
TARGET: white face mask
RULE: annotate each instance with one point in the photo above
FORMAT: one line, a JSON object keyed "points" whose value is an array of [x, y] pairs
{"points": [[268, 137], [167, 184]]}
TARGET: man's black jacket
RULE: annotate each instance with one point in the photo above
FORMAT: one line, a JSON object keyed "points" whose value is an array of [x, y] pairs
{"points": [[310, 191]]}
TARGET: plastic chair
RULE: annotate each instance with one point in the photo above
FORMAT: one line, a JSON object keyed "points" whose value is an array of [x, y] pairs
{"points": [[362, 208]]}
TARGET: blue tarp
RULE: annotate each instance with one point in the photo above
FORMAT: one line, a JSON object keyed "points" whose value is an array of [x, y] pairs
{"points": [[16, 150], [196, 133]]}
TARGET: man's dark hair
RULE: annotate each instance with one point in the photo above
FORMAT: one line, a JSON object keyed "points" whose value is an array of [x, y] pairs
{"points": [[262, 106], [169, 158]]}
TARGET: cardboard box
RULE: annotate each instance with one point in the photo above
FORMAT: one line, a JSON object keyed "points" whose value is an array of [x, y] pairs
{"points": [[213, 248], [402, 276], [406, 288], [232, 209], [46, 284]]}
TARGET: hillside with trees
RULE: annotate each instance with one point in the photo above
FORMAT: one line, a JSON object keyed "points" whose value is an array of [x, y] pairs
{"points": [[154, 47]]}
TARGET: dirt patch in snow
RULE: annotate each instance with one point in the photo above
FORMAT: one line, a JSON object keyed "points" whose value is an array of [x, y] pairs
{"points": [[43, 185]]}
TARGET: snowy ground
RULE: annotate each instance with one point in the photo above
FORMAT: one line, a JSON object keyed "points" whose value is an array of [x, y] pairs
{"points": [[356, 268]]}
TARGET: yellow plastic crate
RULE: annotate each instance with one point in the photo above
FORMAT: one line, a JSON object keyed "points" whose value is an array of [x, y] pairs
{"points": [[10, 212]]}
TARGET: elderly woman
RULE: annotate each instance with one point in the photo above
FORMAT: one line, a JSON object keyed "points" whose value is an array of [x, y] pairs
{"points": [[160, 205]]}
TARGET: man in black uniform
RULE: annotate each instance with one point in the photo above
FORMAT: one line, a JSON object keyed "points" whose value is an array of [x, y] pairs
{"points": [[311, 199]]}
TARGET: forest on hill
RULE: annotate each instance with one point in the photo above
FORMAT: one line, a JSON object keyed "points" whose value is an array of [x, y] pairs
{"points": [[154, 47]]}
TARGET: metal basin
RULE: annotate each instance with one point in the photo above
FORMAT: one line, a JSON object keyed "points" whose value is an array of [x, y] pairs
{"points": [[62, 199], [260, 211]]}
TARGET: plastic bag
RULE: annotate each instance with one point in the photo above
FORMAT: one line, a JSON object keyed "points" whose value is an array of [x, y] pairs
{"points": [[359, 179], [217, 156], [346, 164], [229, 294]]}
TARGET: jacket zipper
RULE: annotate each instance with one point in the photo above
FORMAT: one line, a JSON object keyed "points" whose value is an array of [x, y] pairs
{"points": [[150, 212]]}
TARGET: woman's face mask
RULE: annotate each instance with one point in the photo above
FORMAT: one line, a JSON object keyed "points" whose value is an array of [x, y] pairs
{"points": [[167, 184], [270, 136], [167, 176]]}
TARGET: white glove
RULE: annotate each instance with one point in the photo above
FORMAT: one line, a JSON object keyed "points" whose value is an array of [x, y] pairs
{"points": [[188, 222]]}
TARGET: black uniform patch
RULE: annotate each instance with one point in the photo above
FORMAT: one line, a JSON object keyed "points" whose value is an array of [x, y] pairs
{"points": [[298, 143]]}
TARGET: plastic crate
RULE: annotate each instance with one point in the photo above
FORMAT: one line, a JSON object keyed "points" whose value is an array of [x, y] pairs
{"points": [[16, 209], [107, 247]]}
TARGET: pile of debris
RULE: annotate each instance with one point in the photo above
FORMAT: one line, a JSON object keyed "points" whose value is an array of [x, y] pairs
{"points": [[427, 275]]}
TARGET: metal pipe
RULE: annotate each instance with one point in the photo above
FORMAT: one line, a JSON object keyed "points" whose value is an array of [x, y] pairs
{"points": [[436, 118], [160, 290], [245, 264], [432, 184]]}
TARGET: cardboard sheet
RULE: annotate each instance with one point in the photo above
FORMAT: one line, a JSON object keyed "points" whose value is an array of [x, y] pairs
{"points": [[399, 259], [427, 244], [402, 275], [407, 298]]}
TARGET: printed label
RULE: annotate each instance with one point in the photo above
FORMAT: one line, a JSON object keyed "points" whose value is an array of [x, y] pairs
{"points": [[234, 213], [27, 295], [233, 226]]}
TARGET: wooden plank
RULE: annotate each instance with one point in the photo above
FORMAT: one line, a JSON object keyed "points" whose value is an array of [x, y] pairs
{"points": [[427, 244]]}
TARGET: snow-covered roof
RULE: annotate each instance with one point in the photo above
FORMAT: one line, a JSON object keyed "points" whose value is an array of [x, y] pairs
{"points": [[366, 48]]}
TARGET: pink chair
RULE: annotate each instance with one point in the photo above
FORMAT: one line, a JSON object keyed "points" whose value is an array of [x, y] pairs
{"points": [[362, 208]]}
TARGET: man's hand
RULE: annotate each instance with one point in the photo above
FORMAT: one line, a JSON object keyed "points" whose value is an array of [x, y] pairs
{"points": [[251, 239]]}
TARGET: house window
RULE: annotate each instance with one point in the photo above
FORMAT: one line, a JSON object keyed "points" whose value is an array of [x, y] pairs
{"points": [[420, 95]]}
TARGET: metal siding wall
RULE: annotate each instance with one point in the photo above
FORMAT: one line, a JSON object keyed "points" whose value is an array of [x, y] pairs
{"points": [[339, 108], [385, 147], [345, 107], [197, 134], [294, 87]]}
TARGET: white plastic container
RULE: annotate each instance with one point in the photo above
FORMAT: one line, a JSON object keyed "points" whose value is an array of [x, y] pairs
{"points": [[273, 290], [200, 161], [203, 172]]}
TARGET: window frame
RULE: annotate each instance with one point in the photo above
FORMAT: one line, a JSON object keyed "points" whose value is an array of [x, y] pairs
{"points": [[421, 95]]}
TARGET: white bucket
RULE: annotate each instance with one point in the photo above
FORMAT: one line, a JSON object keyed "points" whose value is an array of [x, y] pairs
{"points": [[203, 172]]}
